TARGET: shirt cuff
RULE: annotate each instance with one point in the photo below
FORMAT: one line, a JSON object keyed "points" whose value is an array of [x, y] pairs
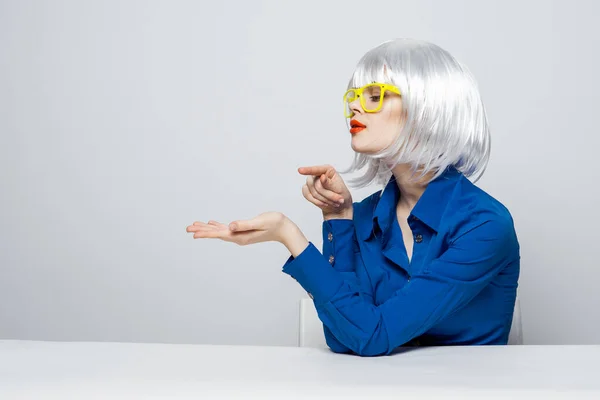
{"points": [[314, 274], [339, 243]]}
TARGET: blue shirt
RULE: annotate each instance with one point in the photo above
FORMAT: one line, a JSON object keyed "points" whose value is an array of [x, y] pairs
{"points": [[459, 288]]}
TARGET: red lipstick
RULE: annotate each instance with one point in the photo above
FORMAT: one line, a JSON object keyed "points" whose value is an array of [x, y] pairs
{"points": [[356, 126]]}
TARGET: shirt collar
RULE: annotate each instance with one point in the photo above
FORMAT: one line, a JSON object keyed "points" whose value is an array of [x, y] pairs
{"points": [[429, 208]]}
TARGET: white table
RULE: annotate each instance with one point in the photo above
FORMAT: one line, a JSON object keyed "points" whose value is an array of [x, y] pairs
{"points": [[67, 370]]}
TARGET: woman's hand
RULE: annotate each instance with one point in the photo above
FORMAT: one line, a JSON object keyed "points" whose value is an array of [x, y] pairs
{"points": [[326, 189], [266, 227]]}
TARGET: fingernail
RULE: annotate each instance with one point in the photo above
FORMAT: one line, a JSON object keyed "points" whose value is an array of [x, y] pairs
{"points": [[233, 227], [341, 201]]}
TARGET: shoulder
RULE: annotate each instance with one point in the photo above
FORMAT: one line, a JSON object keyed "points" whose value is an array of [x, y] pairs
{"points": [[470, 208]]}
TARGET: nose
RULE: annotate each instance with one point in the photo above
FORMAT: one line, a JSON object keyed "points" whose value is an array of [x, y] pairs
{"points": [[355, 106]]}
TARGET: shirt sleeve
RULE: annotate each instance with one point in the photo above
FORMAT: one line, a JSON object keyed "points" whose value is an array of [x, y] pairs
{"points": [[340, 248], [449, 282]]}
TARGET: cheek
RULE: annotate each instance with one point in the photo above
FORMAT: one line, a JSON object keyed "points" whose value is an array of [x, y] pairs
{"points": [[390, 127], [391, 120]]}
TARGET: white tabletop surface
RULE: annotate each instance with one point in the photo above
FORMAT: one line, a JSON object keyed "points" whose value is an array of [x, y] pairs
{"points": [[65, 370]]}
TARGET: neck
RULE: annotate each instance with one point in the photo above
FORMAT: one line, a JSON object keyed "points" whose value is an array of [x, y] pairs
{"points": [[410, 189]]}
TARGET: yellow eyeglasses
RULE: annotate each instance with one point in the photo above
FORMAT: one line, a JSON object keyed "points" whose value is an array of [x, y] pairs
{"points": [[371, 97]]}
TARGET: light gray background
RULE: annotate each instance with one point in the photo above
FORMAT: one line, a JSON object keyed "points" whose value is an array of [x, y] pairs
{"points": [[122, 122]]}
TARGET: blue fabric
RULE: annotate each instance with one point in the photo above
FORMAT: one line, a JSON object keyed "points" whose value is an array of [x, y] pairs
{"points": [[459, 288]]}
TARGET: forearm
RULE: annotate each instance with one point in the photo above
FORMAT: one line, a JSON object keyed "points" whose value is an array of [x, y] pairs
{"points": [[339, 240]]}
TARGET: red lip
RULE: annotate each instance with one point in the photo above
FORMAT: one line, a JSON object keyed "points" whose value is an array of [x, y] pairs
{"points": [[356, 124]]}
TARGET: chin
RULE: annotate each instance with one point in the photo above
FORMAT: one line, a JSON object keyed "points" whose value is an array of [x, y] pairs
{"points": [[356, 146], [364, 151]]}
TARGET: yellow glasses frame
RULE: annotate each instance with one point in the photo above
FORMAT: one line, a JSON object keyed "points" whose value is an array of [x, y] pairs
{"points": [[358, 93]]}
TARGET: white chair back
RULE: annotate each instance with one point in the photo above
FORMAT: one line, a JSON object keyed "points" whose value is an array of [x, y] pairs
{"points": [[516, 329], [310, 333]]}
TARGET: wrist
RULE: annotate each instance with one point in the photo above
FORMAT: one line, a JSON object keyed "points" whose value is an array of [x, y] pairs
{"points": [[344, 214], [293, 238]]}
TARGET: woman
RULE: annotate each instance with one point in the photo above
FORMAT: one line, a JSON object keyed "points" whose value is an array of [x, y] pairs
{"points": [[429, 260]]}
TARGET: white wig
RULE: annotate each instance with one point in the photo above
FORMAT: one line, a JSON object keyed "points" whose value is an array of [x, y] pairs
{"points": [[445, 119]]}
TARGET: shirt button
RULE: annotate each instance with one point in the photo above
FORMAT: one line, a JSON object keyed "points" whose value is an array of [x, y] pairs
{"points": [[330, 236], [419, 238], [331, 258]]}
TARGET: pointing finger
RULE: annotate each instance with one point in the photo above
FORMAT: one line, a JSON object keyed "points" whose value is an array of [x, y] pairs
{"points": [[314, 170]]}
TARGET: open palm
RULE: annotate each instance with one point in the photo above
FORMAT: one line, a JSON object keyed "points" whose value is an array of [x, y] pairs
{"points": [[265, 227]]}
